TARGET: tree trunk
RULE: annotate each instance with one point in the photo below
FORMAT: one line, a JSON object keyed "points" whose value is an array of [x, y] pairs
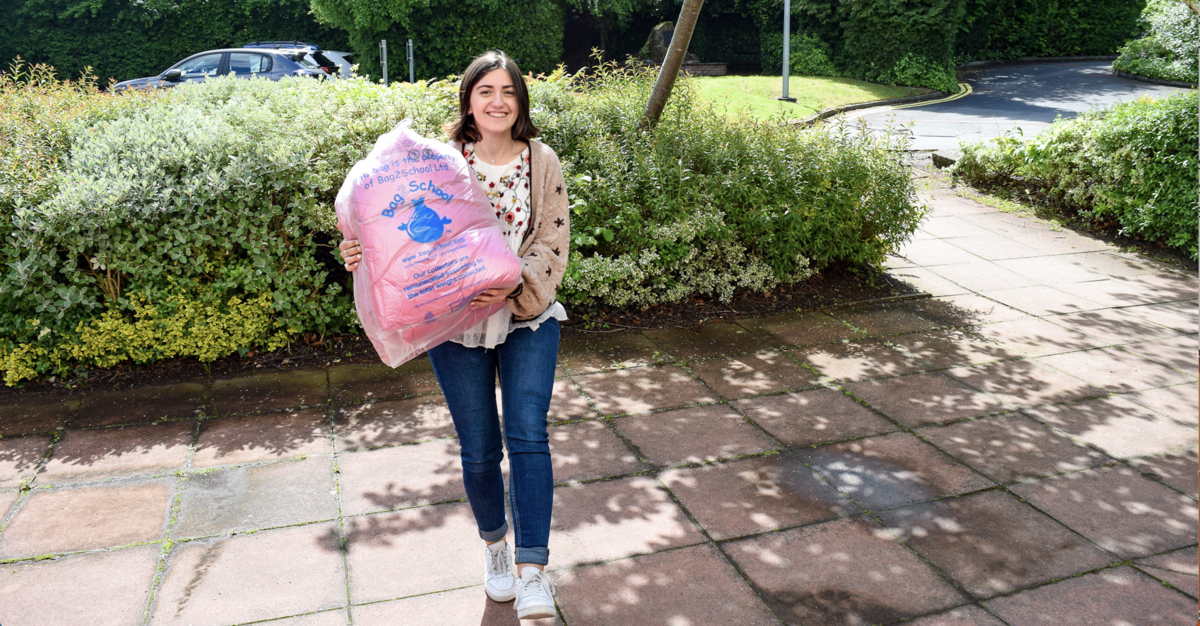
{"points": [[1192, 5], [670, 67]]}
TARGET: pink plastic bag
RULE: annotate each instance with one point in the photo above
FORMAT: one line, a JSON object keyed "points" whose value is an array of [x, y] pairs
{"points": [[430, 244]]}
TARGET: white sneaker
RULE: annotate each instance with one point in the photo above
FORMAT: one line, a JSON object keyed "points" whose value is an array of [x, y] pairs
{"points": [[535, 595], [498, 579]]}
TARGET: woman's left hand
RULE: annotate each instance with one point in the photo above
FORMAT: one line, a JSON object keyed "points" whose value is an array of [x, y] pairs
{"points": [[492, 296]]}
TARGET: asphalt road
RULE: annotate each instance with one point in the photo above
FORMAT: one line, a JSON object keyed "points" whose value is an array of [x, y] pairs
{"points": [[1028, 96]]}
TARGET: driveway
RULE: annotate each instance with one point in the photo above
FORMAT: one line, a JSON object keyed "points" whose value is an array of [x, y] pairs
{"points": [[1025, 96]]}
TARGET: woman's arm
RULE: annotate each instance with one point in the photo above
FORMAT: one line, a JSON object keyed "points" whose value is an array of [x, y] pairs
{"points": [[544, 259]]}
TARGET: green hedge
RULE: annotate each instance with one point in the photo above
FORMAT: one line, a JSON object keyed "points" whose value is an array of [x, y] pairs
{"points": [[447, 34], [1170, 47], [1133, 166], [1010, 29], [125, 39], [198, 222]]}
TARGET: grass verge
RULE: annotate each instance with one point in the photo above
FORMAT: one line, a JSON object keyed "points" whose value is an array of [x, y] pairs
{"points": [[758, 96]]}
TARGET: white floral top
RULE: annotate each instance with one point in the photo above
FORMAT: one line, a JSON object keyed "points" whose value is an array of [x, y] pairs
{"points": [[508, 188]]}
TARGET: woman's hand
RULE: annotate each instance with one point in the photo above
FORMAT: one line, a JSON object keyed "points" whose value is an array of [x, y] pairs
{"points": [[351, 254], [492, 296]]}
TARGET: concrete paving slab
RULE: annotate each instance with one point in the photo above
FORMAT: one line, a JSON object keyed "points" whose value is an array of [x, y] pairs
{"points": [[993, 247], [336, 617], [695, 435], [970, 615], [801, 329], [400, 477], [982, 276], [1181, 316], [1179, 352], [932, 253], [392, 422], [270, 392], [970, 309], [750, 496], [1037, 337], [706, 340], [813, 417], [254, 438], [991, 543], [1053, 269], [614, 519], [890, 471], [1178, 470], [927, 281], [1111, 596], [569, 403], [856, 360], [35, 413], [1113, 326], [1119, 292], [416, 551], [889, 318], [274, 573], [841, 572], [951, 347], [360, 382], [754, 374], [87, 518], [951, 226], [1118, 509], [1115, 370], [1177, 568], [256, 497], [592, 353], [20, 459], [1118, 427], [924, 398], [119, 451], [7, 498], [643, 389], [1041, 300], [1179, 403], [1025, 383], [139, 406], [587, 450], [693, 585], [109, 588], [460, 606], [1011, 447]]}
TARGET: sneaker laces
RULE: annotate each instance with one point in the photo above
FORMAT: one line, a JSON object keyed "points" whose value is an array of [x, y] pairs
{"points": [[537, 584], [498, 562]]}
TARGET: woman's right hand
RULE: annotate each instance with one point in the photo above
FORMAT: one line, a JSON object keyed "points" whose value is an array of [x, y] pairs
{"points": [[351, 254]]}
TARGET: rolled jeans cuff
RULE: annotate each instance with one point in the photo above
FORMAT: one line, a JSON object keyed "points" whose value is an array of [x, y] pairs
{"points": [[536, 556], [495, 535]]}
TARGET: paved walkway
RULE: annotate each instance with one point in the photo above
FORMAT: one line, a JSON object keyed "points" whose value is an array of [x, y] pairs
{"points": [[1019, 448], [1028, 96]]}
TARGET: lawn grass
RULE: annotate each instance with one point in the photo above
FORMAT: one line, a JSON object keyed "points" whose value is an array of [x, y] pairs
{"points": [[757, 95]]}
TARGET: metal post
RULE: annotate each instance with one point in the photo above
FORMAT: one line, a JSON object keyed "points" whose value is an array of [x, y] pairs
{"points": [[787, 47], [410, 63], [383, 58]]}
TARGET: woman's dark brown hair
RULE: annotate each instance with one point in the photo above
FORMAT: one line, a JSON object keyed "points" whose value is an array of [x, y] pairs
{"points": [[463, 129]]}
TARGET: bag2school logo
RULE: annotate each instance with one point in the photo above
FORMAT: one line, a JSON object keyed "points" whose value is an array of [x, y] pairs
{"points": [[425, 225]]}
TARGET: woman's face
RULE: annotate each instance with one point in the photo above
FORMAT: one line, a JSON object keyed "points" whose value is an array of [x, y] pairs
{"points": [[494, 103]]}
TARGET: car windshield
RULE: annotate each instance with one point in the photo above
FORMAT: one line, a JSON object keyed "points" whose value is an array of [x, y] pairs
{"points": [[205, 65]]}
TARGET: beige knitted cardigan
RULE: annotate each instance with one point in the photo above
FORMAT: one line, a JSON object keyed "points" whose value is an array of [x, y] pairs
{"points": [[544, 248]]}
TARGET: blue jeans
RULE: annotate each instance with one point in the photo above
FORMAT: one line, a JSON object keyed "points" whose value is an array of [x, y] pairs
{"points": [[525, 363]]}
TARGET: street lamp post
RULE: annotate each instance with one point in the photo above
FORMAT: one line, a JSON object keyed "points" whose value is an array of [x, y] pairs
{"points": [[787, 47]]}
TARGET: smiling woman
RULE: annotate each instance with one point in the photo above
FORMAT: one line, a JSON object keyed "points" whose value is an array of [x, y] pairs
{"points": [[519, 343]]}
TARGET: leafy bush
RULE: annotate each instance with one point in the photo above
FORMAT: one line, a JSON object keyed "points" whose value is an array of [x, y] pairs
{"points": [[1133, 166], [1170, 49], [810, 55], [1010, 29], [199, 222]]}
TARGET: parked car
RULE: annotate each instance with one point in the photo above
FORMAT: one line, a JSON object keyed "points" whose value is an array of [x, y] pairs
{"points": [[333, 62], [241, 62]]}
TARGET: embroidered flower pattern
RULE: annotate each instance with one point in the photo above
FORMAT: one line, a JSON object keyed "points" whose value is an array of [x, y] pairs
{"points": [[507, 189]]}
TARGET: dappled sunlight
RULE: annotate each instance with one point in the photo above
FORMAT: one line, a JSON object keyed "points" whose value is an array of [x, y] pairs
{"points": [[856, 360], [1118, 427], [262, 437], [643, 389], [401, 476], [385, 423]]}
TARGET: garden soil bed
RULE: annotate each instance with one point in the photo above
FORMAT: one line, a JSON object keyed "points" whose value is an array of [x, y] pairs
{"points": [[833, 287]]}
